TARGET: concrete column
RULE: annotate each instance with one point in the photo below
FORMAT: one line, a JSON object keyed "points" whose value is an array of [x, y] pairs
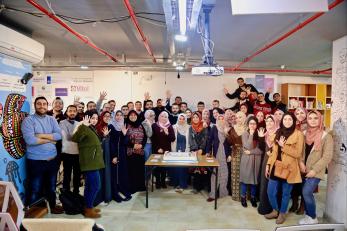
{"points": [[336, 203]]}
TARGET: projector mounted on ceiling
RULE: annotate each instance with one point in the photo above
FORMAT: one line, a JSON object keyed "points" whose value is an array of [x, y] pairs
{"points": [[207, 70]]}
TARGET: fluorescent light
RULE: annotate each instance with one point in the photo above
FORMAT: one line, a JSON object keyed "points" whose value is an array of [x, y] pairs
{"points": [[195, 14], [181, 37], [179, 68], [174, 64], [84, 67], [182, 8]]}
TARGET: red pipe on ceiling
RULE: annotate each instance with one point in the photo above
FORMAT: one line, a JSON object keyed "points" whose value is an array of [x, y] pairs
{"points": [[286, 35], [72, 31], [315, 72], [137, 26]]}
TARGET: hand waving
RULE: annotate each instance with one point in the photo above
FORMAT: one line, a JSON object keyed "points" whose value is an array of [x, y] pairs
{"points": [[261, 132], [85, 120]]}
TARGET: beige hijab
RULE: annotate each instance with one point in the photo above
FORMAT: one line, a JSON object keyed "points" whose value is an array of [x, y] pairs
{"points": [[240, 126]]}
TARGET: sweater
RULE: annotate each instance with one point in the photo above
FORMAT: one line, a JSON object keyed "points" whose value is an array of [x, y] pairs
{"points": [[68, 146], [160, 140], [36, 124], [89, 147], [174, 143]]}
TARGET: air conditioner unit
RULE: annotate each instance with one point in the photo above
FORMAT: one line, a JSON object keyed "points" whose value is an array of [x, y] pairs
{"points": [[19, 46]]}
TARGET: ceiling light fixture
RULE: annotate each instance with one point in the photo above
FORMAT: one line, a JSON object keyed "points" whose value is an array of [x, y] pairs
{"points": [[283, 66], [84, 67], [182, 7], [181, 38], [179, 68]]}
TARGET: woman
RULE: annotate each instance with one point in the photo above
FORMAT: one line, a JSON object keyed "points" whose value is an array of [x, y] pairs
{"points": [[230, 117], [147, 124], [271, 128], [135, 141], [163, 135], [104, 194], [189, 113], [301, 124], [181, 144], [205, 117], [220, 149], [244, 109], [285, 155], [278, 117], [318, 154], [119, 166], [215, 113], [234, 139], [90, 158], [198, 136], [261, 119], [250, 160]]}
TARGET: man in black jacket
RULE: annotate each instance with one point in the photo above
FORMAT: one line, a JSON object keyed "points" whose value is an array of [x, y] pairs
{"points": [[277, 103], [242, 87]]}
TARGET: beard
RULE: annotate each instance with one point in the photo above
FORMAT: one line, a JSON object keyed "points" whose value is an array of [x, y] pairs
{"points": [[71, 117], [41, 114]]}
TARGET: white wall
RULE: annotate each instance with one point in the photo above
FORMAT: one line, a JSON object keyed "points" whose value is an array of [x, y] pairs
{"points": [[124, 86]]}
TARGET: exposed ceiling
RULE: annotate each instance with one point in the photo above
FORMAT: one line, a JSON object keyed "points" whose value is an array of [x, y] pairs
{"points": [[235, 37]]}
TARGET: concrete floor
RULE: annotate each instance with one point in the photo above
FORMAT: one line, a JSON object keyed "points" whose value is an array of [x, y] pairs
{"points": [[171, 211]]}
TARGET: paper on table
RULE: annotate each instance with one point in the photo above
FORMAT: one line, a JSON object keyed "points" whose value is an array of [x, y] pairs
{"points": [[154, 160], [209, 160], [157, 156]]}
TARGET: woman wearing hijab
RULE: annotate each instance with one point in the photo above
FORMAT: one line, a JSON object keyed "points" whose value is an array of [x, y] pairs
{"points": [[181, 144], [234, 139], [104, 194], [251, 160], [163, 135], [147, 124], [205, 117], [119, 168], [318, 154], [261, 119], [90, 159], [271, 128], [135, 141], [198, 136], [220, 149], [282, 168], [244, 109], [301, 121]]}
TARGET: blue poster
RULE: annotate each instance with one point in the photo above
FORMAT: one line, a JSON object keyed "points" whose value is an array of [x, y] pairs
{"points": [[15, 101]]}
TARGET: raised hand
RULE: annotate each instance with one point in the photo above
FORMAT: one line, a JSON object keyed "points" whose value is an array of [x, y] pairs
{"points": [[76, 99], [269, 90], [103, 95], [147, 96], [115, 160], [168, 94], [261, 132], [282, 141], [85, 120], [105, 131], [225, 90], [166, 131]]}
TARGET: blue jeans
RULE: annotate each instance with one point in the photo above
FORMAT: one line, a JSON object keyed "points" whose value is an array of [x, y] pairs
{"points": [[180, 177], [43, 179], [310, 184], [148, 150], [272, 189], [244, 189], [92, 186]]}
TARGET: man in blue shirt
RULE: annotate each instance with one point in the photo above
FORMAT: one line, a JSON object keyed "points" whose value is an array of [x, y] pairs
{"points": [[41, 132]]}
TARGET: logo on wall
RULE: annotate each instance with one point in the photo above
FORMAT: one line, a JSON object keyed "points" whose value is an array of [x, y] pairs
{"points": [[11, 125]]}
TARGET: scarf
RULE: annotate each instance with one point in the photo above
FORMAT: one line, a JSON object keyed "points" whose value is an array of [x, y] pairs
{"points": [[301, 125], [134, 124], [101, 124], [118, 124], [314, 134], [162, 124], [220, 124], [197, 127], [148, 114], [270, 132], [240, 126], [283, 131], [182, 129]]}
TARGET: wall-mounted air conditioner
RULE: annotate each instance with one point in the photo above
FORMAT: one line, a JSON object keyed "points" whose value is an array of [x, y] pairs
{"points": [[20, 46]]}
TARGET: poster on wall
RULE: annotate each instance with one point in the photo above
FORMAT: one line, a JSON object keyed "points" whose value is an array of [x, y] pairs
{"points": [[15, 99], [66, 87]]}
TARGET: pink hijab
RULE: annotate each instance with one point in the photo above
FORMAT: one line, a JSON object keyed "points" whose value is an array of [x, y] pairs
{"points": [[161, 120], [314, 135]]}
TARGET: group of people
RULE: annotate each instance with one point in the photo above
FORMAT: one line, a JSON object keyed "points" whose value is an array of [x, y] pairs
{"points": [[266, 153]]}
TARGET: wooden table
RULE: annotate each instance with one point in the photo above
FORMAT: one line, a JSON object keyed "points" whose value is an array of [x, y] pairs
{"points": [[209, 163]]}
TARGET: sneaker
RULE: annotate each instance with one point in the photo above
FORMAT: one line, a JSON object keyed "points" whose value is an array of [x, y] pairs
{"points": [[307, 220]]}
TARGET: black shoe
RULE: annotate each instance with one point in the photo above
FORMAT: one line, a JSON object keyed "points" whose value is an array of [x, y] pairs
{"points": [[254, 202], [163, 185], [128, 198], [243, 202], [118, 199], [157, 185]]}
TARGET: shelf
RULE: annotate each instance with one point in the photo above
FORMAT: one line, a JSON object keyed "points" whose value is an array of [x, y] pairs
{"points": [[302, 97]]}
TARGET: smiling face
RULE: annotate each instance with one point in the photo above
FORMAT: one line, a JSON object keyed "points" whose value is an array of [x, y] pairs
{"points": [[244, 109], [80, 108], [287, 121], [195, 119], [300, 115], [106, 118], [94, 119], [71, 113], [278, 115], [138, 106], [270, 124], [313, 120], [118, 117], [175, 109], [205, 114], [181, 120], [163, 118], [133, 117], [41, 107], [260, 116], [215, 113], [188, 113], [58, 105], [112, 105], [252, 125]]}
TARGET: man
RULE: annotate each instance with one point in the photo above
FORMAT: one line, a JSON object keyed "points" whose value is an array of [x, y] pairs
{"points": [[125, 110], [243, 99], [242, 87], [261, 105], [183, 107], [200, 106], [178, 101], [80, 111], [173, 116], [41, 132], [138, 107], [159, 108], [130, 106], [91, 105], [277, 103], [57, 109], [112, 104], [106, 107], [70, 155], [215, 104], [148, 105]]}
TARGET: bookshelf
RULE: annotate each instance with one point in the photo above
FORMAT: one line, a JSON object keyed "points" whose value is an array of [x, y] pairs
{"points": [[309, 96]]}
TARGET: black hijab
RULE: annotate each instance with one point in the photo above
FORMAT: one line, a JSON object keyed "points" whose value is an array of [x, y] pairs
{"points": [[135, 124], [283, 131]]}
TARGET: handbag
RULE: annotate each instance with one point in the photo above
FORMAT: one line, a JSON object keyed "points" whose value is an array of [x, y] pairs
{"points": [[281, 170]]}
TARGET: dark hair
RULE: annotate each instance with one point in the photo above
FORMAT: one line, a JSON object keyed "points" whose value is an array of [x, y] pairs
{"points": [[283, 131], [111, 101], [243, 91], [148, 101], [125, 106], [39, 98], [220, 111], [90, 103], [58, 98], [240, 79], [184, 103], [90, 113], [260, 93], [216, 100], [255, 135], [178, 97], [65, 114], [201, 103], [276, 94], [157, 100], [175, 104], [130, 102], [81, 103], [138, 102]]}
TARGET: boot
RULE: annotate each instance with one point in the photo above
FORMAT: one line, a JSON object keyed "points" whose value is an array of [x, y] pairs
{"points": [[301, 209], [281, 218], [254, 202], [90, 213], [244, 202], [295, 204], [272, 215]]}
